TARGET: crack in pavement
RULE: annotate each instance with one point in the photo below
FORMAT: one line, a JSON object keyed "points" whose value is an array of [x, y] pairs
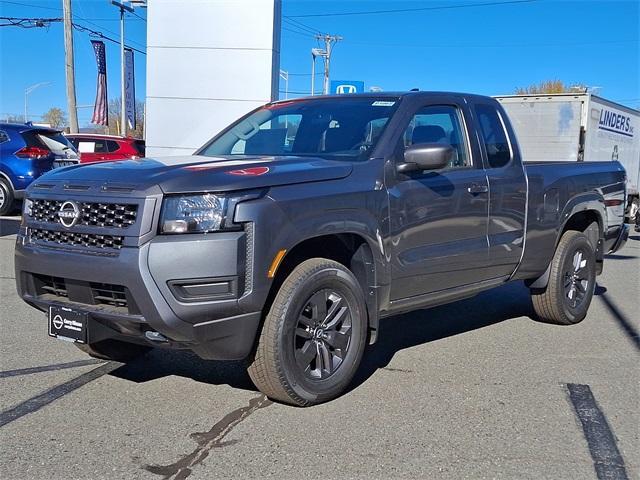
{"points": [[209, 440]]}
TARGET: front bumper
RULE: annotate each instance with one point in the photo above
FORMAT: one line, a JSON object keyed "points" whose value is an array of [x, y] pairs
{"points": [[194, 290]]}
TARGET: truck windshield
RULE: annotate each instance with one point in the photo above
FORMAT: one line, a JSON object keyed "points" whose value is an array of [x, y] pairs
{"points": [[336, 128]]}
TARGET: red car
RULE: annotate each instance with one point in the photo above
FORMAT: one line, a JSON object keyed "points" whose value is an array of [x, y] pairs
{"points": [[104, 148]]}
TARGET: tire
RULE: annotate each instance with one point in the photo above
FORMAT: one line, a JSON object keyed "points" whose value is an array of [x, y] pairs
{"points": [[313, 337], [572, 282], [113, 350], [634, 210], [6, 197]]}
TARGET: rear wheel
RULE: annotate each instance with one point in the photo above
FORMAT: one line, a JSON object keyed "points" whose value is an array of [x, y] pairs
{"points": [[114, 350], [572, 281], [6, 197], [313, 337]]}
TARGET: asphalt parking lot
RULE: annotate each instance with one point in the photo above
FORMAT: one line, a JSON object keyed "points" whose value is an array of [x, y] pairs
{"points": [[474, 389]]}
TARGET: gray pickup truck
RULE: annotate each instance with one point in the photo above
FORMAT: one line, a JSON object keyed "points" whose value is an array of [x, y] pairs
{"points": [[286, 238]]}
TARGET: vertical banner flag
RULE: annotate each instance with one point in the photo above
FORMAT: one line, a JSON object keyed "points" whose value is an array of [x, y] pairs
{"points": [[101, 107], [130, 88]]}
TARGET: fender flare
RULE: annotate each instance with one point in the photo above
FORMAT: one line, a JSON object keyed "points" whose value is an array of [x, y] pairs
{"points": [[585, 202]]}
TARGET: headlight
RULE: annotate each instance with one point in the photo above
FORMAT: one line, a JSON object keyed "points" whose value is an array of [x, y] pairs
{"points": [[193, 213], [26, 208]]}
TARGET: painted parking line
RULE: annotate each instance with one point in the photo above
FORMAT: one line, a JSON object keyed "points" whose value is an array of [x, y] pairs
{"points": [[607, 460], [36, 403], [49, 368]]}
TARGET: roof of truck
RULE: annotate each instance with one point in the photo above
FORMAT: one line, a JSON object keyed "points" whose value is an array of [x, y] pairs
{"points": [[411, 93]]}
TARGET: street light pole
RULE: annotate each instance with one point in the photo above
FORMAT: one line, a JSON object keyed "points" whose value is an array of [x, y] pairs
{"points": [[27, 91], [123, 104], [313, 72], [285, 76], [315, 52]]}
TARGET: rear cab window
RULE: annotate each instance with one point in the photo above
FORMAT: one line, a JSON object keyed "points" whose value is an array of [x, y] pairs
{"points": [[494, 136]]}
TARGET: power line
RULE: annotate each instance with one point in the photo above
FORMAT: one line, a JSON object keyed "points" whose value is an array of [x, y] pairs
{"points": [[28, 22], [77, 17], [298, 32], [94, 33], [29, 5], [404, 10], [494, 45], [45, 22], [300, 25]]}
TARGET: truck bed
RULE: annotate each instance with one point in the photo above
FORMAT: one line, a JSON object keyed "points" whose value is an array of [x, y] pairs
{"points": [[556, 189]]}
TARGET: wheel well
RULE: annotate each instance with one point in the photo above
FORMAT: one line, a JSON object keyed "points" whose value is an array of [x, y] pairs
{"points": [[588, 222], [348, 249]]}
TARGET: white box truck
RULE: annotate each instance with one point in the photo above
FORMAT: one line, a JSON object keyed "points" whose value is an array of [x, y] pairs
{"points": [[582, 127]]}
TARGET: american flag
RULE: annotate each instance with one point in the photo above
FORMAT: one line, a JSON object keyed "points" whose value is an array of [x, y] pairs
{"points": [[101, 107]]}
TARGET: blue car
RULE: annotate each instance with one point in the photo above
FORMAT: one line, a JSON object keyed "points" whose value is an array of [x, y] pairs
{"points": [[26, 152]]}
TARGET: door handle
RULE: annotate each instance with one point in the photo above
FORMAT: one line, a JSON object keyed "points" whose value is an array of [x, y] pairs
{"points": [[475, 189]]}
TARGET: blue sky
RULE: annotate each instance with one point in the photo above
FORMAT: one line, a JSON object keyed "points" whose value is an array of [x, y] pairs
{"points": [[490, 49]]}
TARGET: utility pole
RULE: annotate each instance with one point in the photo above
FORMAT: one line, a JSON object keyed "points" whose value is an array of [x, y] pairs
{"points": [[329, 40], [69, 66], [123, 104]]}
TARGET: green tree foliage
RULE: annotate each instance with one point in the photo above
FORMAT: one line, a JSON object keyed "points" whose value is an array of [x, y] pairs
{"points": [[551, 86], [55, 117]]}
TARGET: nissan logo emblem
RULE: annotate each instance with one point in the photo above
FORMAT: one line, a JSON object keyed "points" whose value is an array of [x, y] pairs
{"points": [[69, 213]]}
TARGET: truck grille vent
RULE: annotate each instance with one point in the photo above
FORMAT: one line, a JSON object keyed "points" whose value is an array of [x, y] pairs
{"points": [[107, 294], [88, 293], [90, 240], [53, 285], [115, 215]]}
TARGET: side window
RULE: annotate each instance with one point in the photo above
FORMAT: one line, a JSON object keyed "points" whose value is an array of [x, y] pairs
{"points": [[3, 136], [494, 136], [100, 146], [440, 124], [112, 146]]}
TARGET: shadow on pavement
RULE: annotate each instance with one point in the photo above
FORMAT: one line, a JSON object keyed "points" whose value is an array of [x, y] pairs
{"points": [[396, 333], [423, 326], [625, 324], [9, 226], [163, 363]]}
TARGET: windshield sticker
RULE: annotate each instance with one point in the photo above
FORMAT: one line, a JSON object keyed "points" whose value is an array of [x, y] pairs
{"points": [[381, 103]]}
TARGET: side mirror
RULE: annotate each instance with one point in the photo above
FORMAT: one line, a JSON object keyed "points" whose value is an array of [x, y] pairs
{"points": [[425, 156]]}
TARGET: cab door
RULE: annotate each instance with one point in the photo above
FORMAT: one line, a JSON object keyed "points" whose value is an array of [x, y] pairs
{"points": [[438, 218], [507, 187]]}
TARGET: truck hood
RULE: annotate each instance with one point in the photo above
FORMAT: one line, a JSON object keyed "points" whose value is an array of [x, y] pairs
{"points": [[195, 173]]}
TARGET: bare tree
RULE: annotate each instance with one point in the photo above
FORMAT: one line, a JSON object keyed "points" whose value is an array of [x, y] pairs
{"points": [[55, 117], [15, 118], [114, 119], [551, 86]]}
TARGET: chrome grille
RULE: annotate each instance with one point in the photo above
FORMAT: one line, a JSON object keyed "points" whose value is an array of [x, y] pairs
{"points": [[113, 215], [89, 240]]}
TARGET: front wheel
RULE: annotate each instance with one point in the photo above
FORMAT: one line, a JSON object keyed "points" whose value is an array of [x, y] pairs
{"points": [[313, 337], [572, 281]]}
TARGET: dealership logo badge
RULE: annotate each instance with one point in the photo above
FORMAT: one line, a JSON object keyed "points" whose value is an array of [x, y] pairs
{"points": [[69, 213], [343, 89], [57, 322]]}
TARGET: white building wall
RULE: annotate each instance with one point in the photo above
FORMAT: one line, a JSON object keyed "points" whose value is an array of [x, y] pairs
{"points": [[208, 63]]}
